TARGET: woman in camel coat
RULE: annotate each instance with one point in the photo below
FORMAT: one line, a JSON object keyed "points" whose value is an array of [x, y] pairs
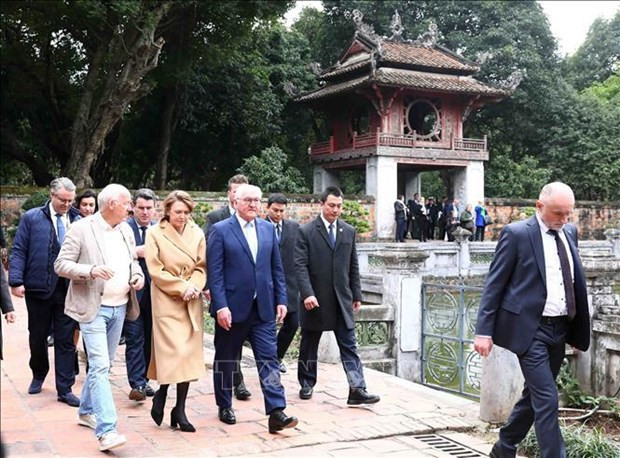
{"points": [[175, 258]]}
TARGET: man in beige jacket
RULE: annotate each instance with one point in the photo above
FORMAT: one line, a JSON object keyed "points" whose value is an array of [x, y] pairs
{"points": [[99, 257]]}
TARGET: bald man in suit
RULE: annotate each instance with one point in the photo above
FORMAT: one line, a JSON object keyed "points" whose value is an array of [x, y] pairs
{"points": [[534, 302]]}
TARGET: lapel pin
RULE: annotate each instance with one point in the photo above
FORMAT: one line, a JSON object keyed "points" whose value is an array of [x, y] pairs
{"points": [[340, 229]]}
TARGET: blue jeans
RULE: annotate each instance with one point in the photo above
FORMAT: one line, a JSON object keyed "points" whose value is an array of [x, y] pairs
{"points": [[101, 338]]}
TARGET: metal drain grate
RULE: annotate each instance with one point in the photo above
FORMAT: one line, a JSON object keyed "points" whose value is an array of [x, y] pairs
{"points": [[449, 446]]}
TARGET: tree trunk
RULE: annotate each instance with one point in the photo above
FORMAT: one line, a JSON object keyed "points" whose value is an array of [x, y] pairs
{"points": [[117, 73], [167, 127]]}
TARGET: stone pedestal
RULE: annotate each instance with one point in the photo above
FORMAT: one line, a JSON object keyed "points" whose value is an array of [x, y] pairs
{"points": [[382, 183], [400, 268], [461, 236], [501, 385]]}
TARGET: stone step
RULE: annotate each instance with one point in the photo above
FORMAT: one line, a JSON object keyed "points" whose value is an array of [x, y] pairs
{"points": [[374, 352], [386, 365]]}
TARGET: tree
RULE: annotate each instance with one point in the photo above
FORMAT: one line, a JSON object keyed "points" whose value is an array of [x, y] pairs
{"points": [[599, 55], [270, 172], [99, 50]]}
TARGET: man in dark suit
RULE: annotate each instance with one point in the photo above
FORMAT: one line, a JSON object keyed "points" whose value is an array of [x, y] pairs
{"points": [[329, 282], [248, 293], [137, 333], [415, 211], [215, 216], [534, 302], [37, 243], [286, 233], [400, 215]]}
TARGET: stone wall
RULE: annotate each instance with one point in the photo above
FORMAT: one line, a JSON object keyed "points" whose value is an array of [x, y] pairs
{"points": [[302, 207], [592, 218]]}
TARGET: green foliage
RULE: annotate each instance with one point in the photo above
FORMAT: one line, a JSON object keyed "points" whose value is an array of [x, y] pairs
{"points": [[432, 185], [200, 213], [271, 172], [608, 90], [37, 199], [571, 393], [356, 215], [599, 55], [509, 178], [580, 442]]}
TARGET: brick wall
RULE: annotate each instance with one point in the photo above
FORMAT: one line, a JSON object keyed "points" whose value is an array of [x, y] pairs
{"points": [[592, 218]]}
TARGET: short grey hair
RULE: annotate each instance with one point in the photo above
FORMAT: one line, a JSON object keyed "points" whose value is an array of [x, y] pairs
{"points": [[61, 183], [244, 189], [111, 192], [556, 187], [144, 193]]}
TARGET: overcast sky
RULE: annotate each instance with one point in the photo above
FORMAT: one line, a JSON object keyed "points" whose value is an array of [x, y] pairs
{"points": [[570, 20]]}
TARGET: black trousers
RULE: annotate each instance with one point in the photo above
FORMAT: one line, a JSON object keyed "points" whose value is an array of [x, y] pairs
{"points": [[41, 314], [308, 354], [286, 334], [538, 405]]}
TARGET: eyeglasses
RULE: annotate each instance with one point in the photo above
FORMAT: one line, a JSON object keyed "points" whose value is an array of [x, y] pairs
{"points": [[64, 201], [249, 200]]}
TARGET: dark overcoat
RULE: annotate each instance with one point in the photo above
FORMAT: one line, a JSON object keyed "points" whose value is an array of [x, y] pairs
{"points": [[329, 274]]}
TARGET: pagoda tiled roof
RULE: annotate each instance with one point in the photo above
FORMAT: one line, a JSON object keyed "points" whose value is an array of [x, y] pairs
{"points": [[431, 57], [411, 79]]}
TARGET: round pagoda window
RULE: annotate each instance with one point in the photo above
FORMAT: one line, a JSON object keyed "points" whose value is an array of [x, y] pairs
{"points": [[423, 117]]}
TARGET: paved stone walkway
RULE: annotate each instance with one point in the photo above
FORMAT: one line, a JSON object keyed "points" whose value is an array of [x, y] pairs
{"points": [[39, 425]]}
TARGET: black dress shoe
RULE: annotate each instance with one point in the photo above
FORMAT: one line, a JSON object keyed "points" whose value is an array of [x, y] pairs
{"points": [[149, 391], [227, 415], [241, 392], [138, 394], [359, 396], [159, 402], [278, 421], [305, 392], [178, 418], [498, 452], [70, 399], [35, 386]]}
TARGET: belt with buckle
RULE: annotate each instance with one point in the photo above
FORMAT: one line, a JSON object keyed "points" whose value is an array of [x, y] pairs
{"points": [[553, 319]]}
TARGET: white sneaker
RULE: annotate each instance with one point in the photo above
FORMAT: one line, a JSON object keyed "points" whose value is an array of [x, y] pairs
{"points": [[87, 419], [111, 440]]}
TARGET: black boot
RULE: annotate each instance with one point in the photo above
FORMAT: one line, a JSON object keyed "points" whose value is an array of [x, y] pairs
{"points": [[177, 416], [159, 402]]}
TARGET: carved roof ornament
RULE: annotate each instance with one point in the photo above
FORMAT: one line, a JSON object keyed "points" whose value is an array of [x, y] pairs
{"points": [[513, 80], [365, 29], [483, 57], [429, 38], [396, 26], [315, 67]]}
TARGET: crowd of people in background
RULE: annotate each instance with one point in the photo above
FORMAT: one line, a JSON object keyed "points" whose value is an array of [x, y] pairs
{"points": [[427, 219]]}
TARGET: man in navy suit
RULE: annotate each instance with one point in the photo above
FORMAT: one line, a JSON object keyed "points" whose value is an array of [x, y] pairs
{"points": [[215, 216], [534, 302], [248, 293], [138, 333]]}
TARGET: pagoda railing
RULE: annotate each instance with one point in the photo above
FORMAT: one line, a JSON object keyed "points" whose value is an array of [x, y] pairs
{"points": [[397, 140]]}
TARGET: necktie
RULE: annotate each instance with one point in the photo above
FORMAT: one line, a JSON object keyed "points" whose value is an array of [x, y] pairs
{"points": [[332, 235], [278, 232], [60, 226], [567, 279], [250, 235], [143, 231]]}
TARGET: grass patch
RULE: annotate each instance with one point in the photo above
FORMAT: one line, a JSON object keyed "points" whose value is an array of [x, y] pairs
{"points": [[580, 441]]}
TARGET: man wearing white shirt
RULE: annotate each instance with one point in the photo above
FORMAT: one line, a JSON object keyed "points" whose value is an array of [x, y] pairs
{"points": [[534, 302], [248, 294], [40, 234]]}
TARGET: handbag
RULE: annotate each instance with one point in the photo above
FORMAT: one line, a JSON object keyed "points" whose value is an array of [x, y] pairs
{"points": [[487, 220], [133, 306]]}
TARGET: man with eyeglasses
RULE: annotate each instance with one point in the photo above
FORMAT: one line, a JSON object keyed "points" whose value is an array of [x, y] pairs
{"points": [[248, 294], [40, 234], [215, 216]]}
